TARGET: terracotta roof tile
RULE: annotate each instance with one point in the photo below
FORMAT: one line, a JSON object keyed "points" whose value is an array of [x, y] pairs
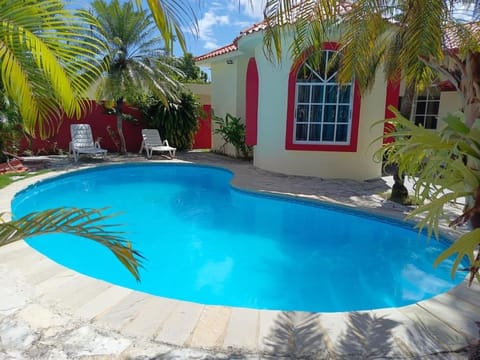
{"points": [[452, 38], [223, 50]]}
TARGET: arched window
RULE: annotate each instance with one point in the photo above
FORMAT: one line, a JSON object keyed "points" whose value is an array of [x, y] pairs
{"points": [[323, 114], [323, 107]]}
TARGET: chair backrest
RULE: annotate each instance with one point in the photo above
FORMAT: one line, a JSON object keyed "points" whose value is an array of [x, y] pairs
{"points": [[151, 137], [81, 136]]}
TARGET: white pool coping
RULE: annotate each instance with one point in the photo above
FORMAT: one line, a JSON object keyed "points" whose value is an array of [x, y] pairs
{"points": [[63, 306]]}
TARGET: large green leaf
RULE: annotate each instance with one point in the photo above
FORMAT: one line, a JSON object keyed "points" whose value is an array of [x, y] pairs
{"points": [[48, 59], [87, 223], [463, 247]]}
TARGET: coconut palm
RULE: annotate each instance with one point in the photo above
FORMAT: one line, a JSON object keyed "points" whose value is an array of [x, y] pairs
{"points": [[133, 58], [45, 67], [47, 61], [171, 16], [416, 41]]}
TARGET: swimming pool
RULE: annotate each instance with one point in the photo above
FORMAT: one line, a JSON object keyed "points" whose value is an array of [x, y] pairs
{"points": [[210, 243]]}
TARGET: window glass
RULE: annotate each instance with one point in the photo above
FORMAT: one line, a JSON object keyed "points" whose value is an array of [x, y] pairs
{"points": [[323, 106], [425, 109]]}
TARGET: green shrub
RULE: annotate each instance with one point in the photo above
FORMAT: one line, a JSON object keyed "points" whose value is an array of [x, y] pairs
{"points": [[233, 132], [11, 131], [178, 123]]}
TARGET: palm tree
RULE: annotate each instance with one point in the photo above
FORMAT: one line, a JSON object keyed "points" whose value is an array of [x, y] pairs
{"points": [[413, 40], [171, 16], [133, 58], [46, 67]]}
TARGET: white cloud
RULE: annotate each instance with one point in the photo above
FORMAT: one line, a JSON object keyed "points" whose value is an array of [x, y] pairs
{"points": [[253, 8], [222, 20], [210, 45], [207, 23]]}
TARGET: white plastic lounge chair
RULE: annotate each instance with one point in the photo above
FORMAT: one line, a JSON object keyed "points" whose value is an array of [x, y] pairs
{"points": [[82, 142], [152, 142]]}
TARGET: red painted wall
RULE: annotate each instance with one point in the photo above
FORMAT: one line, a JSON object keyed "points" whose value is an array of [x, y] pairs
{"points": [[203, 137], [100, 123], [251, 103], [393, 91]]}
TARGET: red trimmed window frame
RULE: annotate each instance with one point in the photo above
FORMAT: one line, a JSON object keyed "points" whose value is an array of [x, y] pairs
{"points": [[292, 85]]}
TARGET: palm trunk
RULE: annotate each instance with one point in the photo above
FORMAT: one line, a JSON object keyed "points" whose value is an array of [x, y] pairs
{"points": [[399, 190], [470, 88], [119, 115]]}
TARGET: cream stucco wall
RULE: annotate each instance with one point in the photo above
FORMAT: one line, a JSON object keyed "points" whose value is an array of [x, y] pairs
{"points": [[449, 103], [228, 95], [270, 153], [202, 91], [225, 78]]}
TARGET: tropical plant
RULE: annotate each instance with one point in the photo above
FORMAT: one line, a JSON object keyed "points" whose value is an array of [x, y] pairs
{"points": [[416, 41], [232, 131], [133, 58], [11, 129], [446, 166], [171, 16], [46, 67], [191, 72], [80, 222], [177, 122]]}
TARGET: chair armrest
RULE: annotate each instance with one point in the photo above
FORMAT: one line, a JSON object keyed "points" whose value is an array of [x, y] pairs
{"points": [[97, 143], [165, 143]]}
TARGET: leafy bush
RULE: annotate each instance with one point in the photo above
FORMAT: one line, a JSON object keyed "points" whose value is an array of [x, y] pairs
{"points": [[11, 130], [445, 167], [233, 132], [177, 123]]}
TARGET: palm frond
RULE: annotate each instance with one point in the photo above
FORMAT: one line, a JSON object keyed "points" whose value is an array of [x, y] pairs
{"points": [[87, 223], [171, 16], [42, 58]]}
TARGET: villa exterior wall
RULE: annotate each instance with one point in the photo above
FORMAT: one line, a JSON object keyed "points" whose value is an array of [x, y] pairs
{"points": [[202, 91], [273, 150], [270, 153], [225, 99], [449, 103]]}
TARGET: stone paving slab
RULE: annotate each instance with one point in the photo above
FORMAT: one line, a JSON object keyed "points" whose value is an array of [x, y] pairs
{"points": [[50, 312]]}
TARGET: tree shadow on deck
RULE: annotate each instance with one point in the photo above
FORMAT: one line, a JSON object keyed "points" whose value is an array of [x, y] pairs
{"points": [[302, 336]]}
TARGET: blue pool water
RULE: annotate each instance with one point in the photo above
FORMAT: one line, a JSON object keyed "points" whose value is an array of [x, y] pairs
{"points": [[207, 242]]}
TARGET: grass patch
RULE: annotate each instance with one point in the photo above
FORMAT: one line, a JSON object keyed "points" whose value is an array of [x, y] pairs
{"points": [[7, 179]]}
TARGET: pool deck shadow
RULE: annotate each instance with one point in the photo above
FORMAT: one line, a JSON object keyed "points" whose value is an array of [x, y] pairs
{"points": [[50, 312]]}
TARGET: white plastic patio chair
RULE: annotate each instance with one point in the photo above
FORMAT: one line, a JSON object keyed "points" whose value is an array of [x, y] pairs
{"points": [[82, 142], [153, 142]]}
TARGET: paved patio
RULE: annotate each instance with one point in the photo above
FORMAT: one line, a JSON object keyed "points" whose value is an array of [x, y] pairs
{"points": [[50, 312]]}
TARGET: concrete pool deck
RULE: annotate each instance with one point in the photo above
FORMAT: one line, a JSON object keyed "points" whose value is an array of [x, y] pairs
{"points": [[50, 312]]}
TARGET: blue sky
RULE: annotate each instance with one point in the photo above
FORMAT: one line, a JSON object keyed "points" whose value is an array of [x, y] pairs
{"points": [[220, 21]]}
